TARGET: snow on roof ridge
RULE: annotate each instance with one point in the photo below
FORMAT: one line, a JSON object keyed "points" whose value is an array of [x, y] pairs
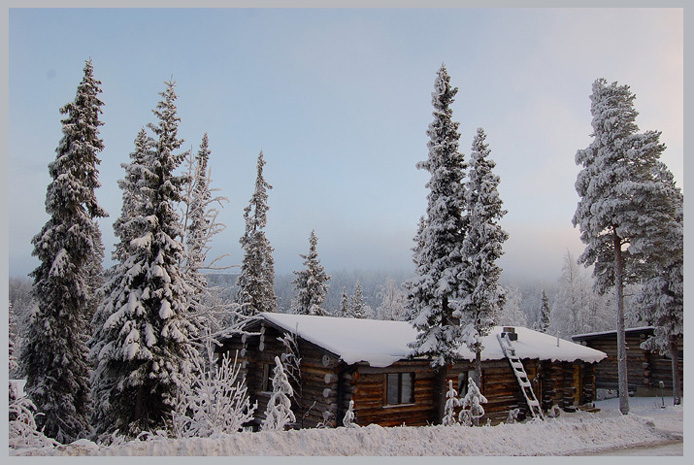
{"points": [[381, 343], [612, 331]]}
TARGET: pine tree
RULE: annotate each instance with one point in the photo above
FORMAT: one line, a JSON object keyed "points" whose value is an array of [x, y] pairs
{"points": [[70, 251], [256, 282], [660, 301], [141, 343], [438, 242], [482, 297], [279, 412], [623, 204], [344, 303], [358, 309], [544, 322], [310, 283]]}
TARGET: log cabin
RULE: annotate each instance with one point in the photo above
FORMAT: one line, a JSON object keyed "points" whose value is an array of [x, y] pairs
{"points": [[370, 362], [645, 369]]}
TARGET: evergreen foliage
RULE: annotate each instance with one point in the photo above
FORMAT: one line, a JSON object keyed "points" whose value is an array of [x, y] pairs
{"points": [[438, 243], [344, 302], [481, 297], [70, 252], [545, 314], [624, 204], [311, 283], [660, 301], [141, 344], [256, 282], [358, 308]]}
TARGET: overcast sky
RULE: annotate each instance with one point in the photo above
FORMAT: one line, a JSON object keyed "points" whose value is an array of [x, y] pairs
{"points": [[339, 102]]}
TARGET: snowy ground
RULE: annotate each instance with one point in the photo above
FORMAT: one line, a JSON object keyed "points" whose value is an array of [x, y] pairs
{"points": [[603, 433]]}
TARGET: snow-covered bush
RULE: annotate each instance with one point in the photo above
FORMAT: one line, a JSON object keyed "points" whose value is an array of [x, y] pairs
{"points": [[452, 402], [348, 419], [23, 432], [216, 401], [472, 405], [279, 412]]}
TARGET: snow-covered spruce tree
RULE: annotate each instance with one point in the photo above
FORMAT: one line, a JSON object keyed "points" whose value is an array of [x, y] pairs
{"points": [[438, 243], [12, 343], [623, 204], [311, 283], [141, 343], [660, 301], [279, 412], [200, 228], [358, 308], [69, 248], [255, 283], [481, 296], [344, 303], [545, 312]]}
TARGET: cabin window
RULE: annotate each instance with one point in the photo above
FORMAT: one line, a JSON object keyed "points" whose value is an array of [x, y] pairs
{"points": [[399, 388], [265, 383]]}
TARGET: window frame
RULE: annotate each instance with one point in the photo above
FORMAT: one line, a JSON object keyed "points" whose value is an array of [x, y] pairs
{"points": [[265, 379], [399, 383]]}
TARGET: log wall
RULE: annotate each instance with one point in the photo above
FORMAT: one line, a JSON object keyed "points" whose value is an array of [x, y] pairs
{"points": [[644, 368], [329, 384]]}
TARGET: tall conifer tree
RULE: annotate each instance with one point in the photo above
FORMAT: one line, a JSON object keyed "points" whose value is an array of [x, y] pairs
{"points": [[438, 259], [623, 205], [256, 282], [142, 345], [70, 251], [481, 296], [311, 283], [660, 301]]}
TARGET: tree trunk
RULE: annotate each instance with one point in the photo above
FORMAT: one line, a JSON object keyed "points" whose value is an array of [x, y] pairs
{"points": [[621, 336], [676, 386], [440, 390]]}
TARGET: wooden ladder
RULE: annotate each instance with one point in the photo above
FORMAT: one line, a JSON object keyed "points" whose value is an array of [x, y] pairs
{"points": [[521, 376]]}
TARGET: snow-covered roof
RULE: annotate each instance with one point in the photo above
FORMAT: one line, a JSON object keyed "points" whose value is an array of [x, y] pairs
{"points": [[640, 329], [381, 343]]}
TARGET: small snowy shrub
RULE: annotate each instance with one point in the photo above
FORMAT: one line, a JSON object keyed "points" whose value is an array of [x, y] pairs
{"points": [[472, 405], [452, 402], [513, 415], [22, 428], [348, 419], [279, 412], [216, 401]]}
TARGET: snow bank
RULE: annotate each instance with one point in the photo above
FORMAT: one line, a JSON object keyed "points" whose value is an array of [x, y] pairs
{"points": [[569, 434], [381, 343]]}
